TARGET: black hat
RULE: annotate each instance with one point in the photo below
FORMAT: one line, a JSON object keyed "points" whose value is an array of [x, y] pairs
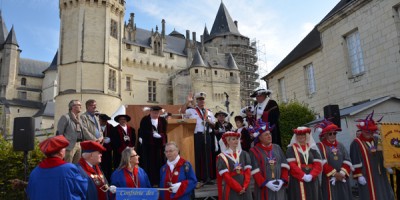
{"points": [[155, 108], [116, 118], [260, 92], [221, 112], [104, 117]]}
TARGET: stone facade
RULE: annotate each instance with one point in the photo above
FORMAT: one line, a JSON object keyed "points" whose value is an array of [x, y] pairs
{"points": [[377, 24], [102, 57]]}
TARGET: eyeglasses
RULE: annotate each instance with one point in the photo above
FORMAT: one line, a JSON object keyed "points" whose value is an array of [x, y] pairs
{"points": [[77, 105], [132, 156], [332, 133], [169, 151]]}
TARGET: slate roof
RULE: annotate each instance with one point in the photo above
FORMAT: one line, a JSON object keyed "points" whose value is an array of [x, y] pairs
{"points": [[11, 38], [232, 62], [206, 34], [223, 24], [53, 65], [33, 68], [3, 30], [174, 44], [311, 42], [353, 110], [47, 110], [197, 60], [175, 33], [21, 103]]}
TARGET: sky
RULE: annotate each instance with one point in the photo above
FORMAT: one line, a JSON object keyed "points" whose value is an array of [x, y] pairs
{"points": [[277, 25]]}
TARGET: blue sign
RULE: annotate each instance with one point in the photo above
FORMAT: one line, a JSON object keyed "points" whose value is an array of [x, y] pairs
{"points": [[136, 194]]}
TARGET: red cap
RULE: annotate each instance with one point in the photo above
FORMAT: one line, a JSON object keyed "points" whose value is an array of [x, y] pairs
{"points": [[229, 134], [53, 145], [301, 130], [90, 146]]}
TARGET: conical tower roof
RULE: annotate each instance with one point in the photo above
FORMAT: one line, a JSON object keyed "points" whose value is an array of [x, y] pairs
{"points": [[53, 65], [206, 34], [197, 60], [3, 29], [11, 38], [232, 62], [223, 23]]}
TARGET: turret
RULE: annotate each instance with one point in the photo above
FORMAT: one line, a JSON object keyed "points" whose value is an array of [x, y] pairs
{"points": [[90, 53]]}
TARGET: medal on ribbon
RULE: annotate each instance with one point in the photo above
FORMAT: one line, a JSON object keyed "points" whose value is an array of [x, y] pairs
{"points": [[238, 167], [334, 150]]}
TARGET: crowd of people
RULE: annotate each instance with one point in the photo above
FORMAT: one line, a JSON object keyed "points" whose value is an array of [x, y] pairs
{"points": [[89, 158]]}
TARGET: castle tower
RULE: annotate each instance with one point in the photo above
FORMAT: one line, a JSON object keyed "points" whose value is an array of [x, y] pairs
{"points": [[226, 37], [89, 58], [9, 66]]}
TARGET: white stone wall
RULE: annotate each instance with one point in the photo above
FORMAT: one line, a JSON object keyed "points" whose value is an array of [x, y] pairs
{"points": [[49, 86], [378, 25]]}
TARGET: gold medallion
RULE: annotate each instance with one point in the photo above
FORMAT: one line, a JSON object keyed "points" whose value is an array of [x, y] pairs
{"points": [[335, 158], [176, 173], [238, 171]]}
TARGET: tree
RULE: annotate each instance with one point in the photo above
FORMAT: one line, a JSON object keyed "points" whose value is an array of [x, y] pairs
{"points": [[12, 167], [293, 115]]}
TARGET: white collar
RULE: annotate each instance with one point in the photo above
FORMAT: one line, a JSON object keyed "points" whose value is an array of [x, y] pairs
{"points": [[89, 163], [172, 164]]}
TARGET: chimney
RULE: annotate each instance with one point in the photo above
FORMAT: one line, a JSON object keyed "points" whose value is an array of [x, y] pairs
{"points": [[187, 35], [194, 38], [163, 28], [236, 23]]}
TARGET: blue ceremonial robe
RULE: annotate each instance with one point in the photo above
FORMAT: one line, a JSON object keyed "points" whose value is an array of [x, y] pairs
{"points": [[183, 172], [118, 178], [60, 181]]}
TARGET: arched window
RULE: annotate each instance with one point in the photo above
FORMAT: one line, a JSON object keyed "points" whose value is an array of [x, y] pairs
{"points": [[23, 81]]}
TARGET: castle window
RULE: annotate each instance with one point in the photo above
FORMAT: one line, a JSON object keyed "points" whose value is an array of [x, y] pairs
{"points": [[22, 95], [309, 75], [128, 46], [112, 80], [196, 71], [282, 90], [142, 49], [114, 29], [231, 74], [128, 83], [215, 72], [152, 91], [171, 55], [23, 81], [355, 55]]}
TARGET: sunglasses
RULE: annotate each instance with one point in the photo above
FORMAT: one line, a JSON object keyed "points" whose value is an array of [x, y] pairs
{"points": [[332, 133], [132, 156]]}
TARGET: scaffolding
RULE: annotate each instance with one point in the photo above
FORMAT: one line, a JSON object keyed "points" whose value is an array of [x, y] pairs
{"points": [[247, 57]]}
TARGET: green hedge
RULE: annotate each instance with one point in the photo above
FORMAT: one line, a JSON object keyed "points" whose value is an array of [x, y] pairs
{"points": [[12, 167], [292, 115]]}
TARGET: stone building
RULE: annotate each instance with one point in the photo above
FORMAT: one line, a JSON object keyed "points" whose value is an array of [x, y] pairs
{"points": [[350, 57], [102, 57]]}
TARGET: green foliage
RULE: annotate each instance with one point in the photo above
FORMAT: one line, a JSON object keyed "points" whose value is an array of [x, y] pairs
{"points": [[292, 115], [12, 167]]}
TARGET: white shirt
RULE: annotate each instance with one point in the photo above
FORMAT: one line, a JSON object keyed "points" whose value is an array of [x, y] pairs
{"points": [[172, 164], [192, 114], [154, 122], [259, 109], [125, 128]]}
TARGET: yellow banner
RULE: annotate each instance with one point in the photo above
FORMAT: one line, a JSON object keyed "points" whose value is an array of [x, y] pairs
{"points": [[390, 135]]}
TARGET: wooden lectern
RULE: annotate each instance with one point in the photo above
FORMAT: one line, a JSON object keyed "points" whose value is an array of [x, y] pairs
{"points": [[181, 131]]}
